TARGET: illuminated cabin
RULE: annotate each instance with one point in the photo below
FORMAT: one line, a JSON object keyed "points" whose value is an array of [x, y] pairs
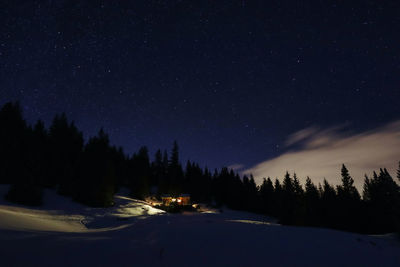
{"points": [[166, 200], [182, 200]]}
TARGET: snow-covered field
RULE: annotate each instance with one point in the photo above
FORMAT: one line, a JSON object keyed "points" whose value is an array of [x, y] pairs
{"points": [[133, 233]]}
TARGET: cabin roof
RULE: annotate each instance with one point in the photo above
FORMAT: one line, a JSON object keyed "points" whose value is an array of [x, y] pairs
{"points": [[181, 195]]}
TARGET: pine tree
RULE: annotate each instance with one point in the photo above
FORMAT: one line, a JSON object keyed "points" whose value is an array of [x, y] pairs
{"points": [[39, 154], [175, 155], [349, 203], [383, 202], [206, 185], [141, 174], [165, 160], [250, 189], [195, 182], [288, 201], [158, 172], [13, 143], [329, 206], [267, 196], [175, 172], [288, 186], [66, 143], [310, 188], [278, 195], [366, 189], [119, 160], [347, 190], [95, 179], [298, 189], [16, 157], [278, 186], [311, 201]]}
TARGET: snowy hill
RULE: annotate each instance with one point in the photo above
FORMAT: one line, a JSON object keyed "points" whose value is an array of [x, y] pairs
{"points": [[133, 233]]}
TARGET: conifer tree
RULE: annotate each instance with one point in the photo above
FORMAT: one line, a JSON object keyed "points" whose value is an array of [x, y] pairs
{"points": [[310, 189], [95, 179], [288, 186], [140, 184], [267, 196], [329, 205], [366, 189], [250, 195], [298, 189], [383, 200], [39, 154], [278, 186], [16, 157], [165, 159], [206, 185], [66, 143], [349, 202], [13, 143], [159, 172], [120, 161], [278, 192], [175, 154], [311, 201], [347, 190], [175, 172]]}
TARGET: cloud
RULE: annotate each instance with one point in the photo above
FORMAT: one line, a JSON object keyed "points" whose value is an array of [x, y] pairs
{"points": [[300, 135], [236, 167], [322, 152]]}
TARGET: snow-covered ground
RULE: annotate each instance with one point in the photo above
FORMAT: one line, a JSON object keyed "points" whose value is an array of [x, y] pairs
{"points": [[133, 233]]}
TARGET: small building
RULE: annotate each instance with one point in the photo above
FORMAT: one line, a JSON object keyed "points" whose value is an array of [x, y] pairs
{"points": [[184, 200], [181, 200], [166, 200]]}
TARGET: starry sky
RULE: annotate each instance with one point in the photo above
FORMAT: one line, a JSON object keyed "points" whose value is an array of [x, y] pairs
{"points": [[229, 80]]}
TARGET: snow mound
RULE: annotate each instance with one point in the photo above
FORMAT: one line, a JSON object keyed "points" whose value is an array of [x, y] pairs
{"points": [[128, 207], [61, 214], [16, 218]]}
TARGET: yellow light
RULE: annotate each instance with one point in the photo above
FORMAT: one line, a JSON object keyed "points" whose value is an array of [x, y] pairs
{"points": [[179, 200], [174, 199]]}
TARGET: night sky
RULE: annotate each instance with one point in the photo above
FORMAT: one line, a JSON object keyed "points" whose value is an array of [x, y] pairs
{"points": [[229, 80]]}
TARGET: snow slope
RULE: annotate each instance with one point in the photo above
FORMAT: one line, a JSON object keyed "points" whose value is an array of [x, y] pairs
{"points": [[64, 233], [60, 214]]}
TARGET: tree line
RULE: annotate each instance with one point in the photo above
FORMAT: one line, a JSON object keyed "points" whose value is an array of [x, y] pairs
{"points": [[33, 157]]}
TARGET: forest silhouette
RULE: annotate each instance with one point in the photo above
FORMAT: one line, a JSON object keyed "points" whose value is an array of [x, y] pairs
{"points": [[33, 157]]}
